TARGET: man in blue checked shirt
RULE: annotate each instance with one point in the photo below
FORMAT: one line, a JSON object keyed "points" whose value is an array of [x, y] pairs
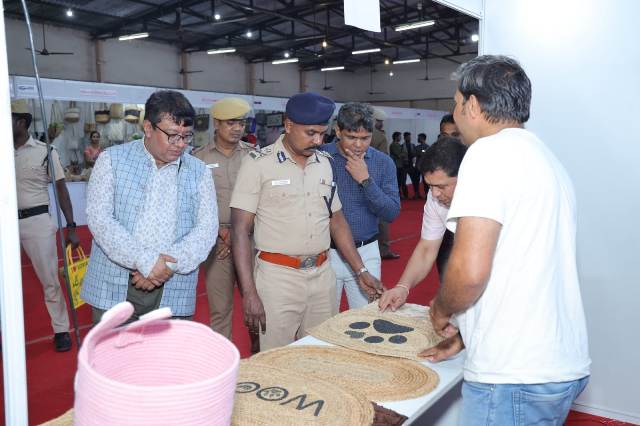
{"points": [[368, 190]]}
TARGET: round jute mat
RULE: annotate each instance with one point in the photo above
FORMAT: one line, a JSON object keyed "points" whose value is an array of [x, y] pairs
{"points": [[378, 378], [381, 334], [273, 396]]}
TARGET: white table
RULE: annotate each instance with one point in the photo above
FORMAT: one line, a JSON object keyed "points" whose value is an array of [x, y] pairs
{"points": [[438, 407]]}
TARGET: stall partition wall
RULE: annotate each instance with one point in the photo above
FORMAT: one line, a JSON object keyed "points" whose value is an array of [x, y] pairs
{"points": [[583, 58], [11, 314]]}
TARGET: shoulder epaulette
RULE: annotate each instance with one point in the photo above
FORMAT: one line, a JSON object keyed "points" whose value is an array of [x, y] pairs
{"points": [[324, 153], [196, 150], [257, 153]]}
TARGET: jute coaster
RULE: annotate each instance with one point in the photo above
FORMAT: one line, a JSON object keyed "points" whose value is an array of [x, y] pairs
{"points": [[378, 378], [381, 334], [272, 396]]}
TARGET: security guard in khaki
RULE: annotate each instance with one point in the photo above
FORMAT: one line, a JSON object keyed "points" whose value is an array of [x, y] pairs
{"points": [[223, 157], [287, 192], [379, 137], [37, 230]]}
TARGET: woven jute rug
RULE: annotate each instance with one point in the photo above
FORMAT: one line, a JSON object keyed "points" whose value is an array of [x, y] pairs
{"points": [[378, 378], [273, 396], [378, 333]]}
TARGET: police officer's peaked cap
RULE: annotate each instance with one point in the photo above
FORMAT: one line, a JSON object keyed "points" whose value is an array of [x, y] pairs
{"points": [[230, 108], [309, 109], [379, 114], [19, 106]]}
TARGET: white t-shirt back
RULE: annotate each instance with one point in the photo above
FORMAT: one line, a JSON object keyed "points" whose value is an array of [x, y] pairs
{"points": [[528, 326], [434, 219]]}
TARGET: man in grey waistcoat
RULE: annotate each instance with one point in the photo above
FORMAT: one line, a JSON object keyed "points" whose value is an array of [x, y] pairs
{"points": [[152, 210]]}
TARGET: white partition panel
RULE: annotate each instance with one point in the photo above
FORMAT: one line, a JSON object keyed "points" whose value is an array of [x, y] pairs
{"points": [[583, 58]]}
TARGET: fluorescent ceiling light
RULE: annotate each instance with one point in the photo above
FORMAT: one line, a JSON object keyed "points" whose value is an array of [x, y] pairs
{"points": [[133, 36], [223, 50], [360, 52], [332, 68], [284, 61], [69, 13], [406, 61], [414, 25], [475, 38], [217, 16]]}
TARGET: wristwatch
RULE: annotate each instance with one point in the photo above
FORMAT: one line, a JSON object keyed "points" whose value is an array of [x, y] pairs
{"points": [[361, 271], [368, 181], [71, 225]]}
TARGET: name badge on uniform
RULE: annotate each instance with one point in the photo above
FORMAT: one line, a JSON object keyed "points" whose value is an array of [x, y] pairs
{"points": [[326, 182], [280, 182], [213, 166]]}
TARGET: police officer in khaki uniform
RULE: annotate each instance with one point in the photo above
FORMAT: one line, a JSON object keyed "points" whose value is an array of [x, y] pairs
{"points": [[223, 156], [379, 137], [287, 190], [37, 231], [379, 141]]}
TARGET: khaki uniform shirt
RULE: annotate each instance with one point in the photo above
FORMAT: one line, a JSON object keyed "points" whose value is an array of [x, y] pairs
{"points": [[291, 214], [225, 171], [32, 173], [379, 141]]}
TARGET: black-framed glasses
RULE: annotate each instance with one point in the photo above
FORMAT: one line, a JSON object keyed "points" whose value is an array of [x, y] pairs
{"points": [[174, 138]]}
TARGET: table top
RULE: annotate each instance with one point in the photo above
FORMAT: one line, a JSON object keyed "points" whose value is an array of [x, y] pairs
{"points": [[449, 371]]}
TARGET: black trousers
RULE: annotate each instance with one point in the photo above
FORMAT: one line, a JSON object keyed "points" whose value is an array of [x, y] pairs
{"points": [[401, 174]]}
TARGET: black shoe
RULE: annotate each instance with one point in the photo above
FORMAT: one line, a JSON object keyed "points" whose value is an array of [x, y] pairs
{"points": [[390, 256], [62, 342]]}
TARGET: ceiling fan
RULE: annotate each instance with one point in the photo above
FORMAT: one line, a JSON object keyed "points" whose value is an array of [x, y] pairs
{"points": [[183, 71], [263, 81], [325, 83], [371, 91], [426, 73], [44, 51]]}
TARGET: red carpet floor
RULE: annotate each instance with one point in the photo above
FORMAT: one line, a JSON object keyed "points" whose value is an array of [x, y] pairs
{"points": [[50, 374]]}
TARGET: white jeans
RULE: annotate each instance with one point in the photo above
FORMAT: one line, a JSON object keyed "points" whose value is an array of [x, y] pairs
{"points": [[346, 278]]}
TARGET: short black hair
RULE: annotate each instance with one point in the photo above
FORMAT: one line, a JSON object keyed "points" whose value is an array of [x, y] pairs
{"points": [[501, 86], [422, 136], [447, 118], [395, 135], [28, 118], [93, 132], [170, 104], [445, 154], [354, 116], [405, 134]]}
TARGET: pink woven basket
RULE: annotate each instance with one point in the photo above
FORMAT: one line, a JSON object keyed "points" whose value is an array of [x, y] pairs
{"points": [[154, 371]]}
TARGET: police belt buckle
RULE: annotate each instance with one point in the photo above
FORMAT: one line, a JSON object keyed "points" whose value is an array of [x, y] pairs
{"points": [[309, 262]]}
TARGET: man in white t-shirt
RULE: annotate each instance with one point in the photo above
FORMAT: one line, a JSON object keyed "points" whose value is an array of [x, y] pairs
{"points": [[512, 282], [439, 167]]}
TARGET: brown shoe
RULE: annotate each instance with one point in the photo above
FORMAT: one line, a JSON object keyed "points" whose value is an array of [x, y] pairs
{"points": [[390, 256]]}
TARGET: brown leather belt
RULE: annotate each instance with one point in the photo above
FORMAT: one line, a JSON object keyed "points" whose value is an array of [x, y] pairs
{"points": [[33, 211], [297, 262]]}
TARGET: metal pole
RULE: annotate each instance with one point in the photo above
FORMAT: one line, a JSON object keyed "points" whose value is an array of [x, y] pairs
{"points": [[74, 315], [11, 314]]}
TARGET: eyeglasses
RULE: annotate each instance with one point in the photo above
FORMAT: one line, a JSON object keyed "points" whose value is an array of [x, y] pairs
{"points": [[174, 138]]}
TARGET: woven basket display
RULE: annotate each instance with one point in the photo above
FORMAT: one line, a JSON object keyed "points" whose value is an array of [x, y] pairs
{"points": [[154, 371], [272, 396], [378, 333], [378, 378]]}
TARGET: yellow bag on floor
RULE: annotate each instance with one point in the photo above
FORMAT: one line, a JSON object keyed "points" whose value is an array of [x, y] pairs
{"points": [[77, 268]]}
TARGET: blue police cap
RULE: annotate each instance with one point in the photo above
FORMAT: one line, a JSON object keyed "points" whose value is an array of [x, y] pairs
{"points": [[309, 109]]}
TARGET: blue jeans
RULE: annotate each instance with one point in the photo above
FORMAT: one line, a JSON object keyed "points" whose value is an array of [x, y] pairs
{"points": [[518, 404]]}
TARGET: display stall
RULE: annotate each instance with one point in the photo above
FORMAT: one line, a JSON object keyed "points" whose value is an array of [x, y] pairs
{"points": [[76, 108]]}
